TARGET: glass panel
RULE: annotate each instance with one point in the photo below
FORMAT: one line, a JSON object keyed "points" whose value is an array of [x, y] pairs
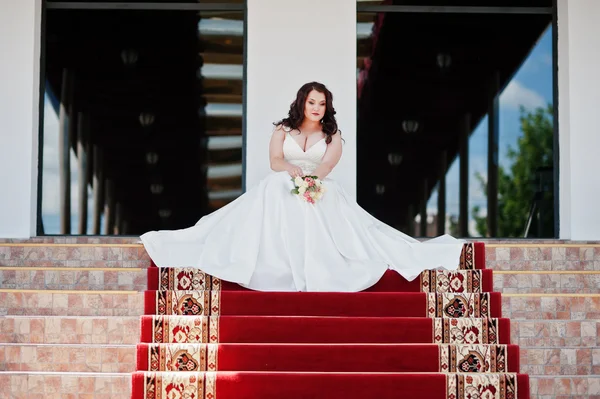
{"points": [[154, 101], [420, 77], [460, 3], [478, 177], [525, 181], [453, 197]]}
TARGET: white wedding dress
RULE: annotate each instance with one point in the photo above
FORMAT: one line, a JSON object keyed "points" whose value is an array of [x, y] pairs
{"points": [[270, 240]]}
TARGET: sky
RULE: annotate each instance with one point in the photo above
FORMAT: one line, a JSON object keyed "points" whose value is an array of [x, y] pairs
{"points": [[531, 87], [50, 184]]}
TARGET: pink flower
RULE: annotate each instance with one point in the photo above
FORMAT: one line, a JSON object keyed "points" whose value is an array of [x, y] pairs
{"points": [[310, 181], [308, 198]]}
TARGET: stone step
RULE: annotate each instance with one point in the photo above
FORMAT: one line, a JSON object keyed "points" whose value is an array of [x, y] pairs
{"points": [[73, 240], [560, 361], [73, 255], [555, 333], [547, 282], [544, 250], [53, 385], [68, 357], [73, 278], [20, 385], [70, 329], [71, 303], [545, 265], [564, 387], [551, 306]]}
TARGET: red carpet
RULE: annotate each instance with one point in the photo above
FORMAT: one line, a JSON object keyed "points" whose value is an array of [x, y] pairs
{"points": [[252, 385], [345, 358], [295, 329], [440, 336], [366, 304]]}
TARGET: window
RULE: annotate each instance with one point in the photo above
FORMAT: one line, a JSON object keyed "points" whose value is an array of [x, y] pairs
{"points": [[452, 96], [143, 105]]}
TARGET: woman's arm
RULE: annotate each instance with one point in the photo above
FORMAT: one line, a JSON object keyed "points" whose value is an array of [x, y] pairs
{"points": [[331, 158], [278, 163]]}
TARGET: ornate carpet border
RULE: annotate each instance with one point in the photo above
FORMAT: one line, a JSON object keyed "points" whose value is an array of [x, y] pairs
{"points": [[185, 329], [186, 279], [447, 281], [458, 306], [481, 358], [467, 257], [465, 331], [188, 303], [179, 385], [488, 386]]}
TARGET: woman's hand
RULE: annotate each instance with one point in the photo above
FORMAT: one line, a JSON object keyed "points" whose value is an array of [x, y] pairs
{"points": [[294, 171]]}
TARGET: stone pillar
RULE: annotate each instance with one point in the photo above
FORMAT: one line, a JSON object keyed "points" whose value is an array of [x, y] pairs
{"points": [[578, 127]]}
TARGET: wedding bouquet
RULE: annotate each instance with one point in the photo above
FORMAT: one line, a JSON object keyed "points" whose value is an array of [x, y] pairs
{"points": [[308, 188]]}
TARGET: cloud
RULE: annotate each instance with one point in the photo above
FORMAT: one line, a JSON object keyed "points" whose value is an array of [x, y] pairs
{"points": [[546, 59], [516, 95]]}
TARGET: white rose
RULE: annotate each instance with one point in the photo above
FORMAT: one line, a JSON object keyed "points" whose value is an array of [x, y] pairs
{"points": [[298, 181], [304, 184], [301, 190], [318, 196], [313, 194]]}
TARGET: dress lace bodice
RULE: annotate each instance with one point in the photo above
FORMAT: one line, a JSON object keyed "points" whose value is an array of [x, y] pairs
{"points": [[307, 160]]}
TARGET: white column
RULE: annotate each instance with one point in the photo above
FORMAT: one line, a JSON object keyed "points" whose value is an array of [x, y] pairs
{"points": [[290, 43], [579, 126], [19, 99]]}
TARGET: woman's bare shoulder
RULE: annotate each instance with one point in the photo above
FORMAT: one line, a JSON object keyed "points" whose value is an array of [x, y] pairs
{"points": [[337, 137]]}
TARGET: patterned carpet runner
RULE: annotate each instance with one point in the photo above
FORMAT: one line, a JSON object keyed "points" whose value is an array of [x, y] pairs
{"points": [[439, 336]]}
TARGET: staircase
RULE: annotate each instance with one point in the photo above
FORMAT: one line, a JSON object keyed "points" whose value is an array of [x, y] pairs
{"points": [[69, 317], [439, 336], [77, 319]]}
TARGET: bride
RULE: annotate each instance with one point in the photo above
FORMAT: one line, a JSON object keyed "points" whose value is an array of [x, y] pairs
{"points": [[271, 240]]}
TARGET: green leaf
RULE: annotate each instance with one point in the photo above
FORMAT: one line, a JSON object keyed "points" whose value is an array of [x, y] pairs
{"points": [[516, 188]]}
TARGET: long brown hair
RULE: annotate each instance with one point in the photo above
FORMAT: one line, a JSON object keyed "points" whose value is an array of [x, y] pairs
{"points": [[296, 114]]}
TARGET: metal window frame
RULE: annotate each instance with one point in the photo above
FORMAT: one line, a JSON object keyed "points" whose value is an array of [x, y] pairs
{"points": [[149, 6], [454, 9], [63, 5], [553, 12], [556, 133]]}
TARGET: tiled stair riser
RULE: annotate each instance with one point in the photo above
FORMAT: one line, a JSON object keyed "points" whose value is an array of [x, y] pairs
{"points": [[69, 329], [121, 279], [65, 386], [68, 358], [71, 304]]}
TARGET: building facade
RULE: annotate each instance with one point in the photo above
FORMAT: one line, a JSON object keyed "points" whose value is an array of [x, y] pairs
{"points": [[287, 44]]}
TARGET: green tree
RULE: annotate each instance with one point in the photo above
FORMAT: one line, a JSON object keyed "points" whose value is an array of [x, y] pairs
{"points": [[518, 184]]}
